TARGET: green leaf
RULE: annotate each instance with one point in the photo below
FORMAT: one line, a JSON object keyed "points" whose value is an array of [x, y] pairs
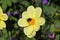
{"points": [[16, 25], [57, 37], [4, 4], [25, 3], [21, 8], [14, 1], [9, 2], [4, 7], [50, 9], [5, 35], [57, 23], [10, 10], [30, 39], [52, 28], [38, 2], [1, 38], [13, 18], [57, 26]]}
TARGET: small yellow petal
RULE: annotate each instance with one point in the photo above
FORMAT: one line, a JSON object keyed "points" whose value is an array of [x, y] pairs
{"points": [[24, 15], [4, 17], [28, 30], [2, 24], [31, 11], [38, 11], [22, 22], [36, 27], [42, 21], [32, 35], [1, 28]]}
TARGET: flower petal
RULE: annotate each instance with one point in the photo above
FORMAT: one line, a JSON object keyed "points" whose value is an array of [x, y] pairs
{"points": [[1, 28], [28, 30], [38, 11], [36, 27], [42, 21], [32, 35], [37, 24], [22, 22], [31, 11], [1, 10], [24, 15], [4, 17], [2, 24]]}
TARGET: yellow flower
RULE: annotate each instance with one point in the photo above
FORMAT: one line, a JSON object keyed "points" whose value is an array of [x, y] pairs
{"points": [[3, 17], [31, 21]]}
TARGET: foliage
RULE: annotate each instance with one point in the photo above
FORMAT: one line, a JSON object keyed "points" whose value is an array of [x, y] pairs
{"points": [[51, 13]]}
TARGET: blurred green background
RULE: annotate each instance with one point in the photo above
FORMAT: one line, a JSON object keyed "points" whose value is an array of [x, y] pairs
{"points": [[14, 9]]}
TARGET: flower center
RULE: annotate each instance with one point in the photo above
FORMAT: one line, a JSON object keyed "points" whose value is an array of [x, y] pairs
{"points": [[30, 21]]}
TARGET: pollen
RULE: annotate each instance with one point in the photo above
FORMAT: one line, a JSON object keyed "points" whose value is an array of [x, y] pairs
{"points": [[31, 21]]}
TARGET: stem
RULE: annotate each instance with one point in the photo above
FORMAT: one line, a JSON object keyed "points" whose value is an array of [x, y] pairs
{"points": [[9, 35], [59, 36], [2, 32]]}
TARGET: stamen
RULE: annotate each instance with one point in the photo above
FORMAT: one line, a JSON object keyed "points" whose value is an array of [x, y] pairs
{"points": [[30, 21]]}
